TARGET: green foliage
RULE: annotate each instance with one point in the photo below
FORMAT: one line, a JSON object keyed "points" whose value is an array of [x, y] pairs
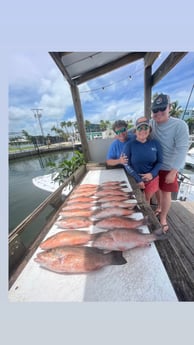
{"points": [[175, 109], [190, 123], [67, 167], [104, 125]]}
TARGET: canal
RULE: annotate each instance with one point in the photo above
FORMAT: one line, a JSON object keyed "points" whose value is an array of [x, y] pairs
{"points": [[24, 197]]}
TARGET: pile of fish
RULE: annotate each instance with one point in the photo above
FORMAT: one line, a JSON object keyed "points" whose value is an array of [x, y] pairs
{"points": [[107, 209]]}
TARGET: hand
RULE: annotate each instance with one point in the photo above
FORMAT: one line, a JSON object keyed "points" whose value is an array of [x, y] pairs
{"points": [[171, 176], [141, 185], [146, 177], [123, 159]]}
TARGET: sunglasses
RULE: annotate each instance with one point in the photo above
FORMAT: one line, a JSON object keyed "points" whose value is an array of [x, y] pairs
{"points": [[156, 110], [122, 130], [142, 128]]}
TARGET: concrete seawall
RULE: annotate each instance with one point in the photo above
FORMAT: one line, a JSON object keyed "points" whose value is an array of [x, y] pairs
{"points": [[45, 149]]}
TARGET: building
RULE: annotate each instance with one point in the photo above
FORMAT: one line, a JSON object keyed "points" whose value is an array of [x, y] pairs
{"points": [[188, 114]]}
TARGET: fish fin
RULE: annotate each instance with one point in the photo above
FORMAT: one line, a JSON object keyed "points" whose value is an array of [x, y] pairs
{"points": [[117, 258], [160, 235], [93, 236], [137, 208]]}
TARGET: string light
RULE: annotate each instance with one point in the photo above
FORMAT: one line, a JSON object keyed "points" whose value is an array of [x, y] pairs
{"points": [[109, 85]]}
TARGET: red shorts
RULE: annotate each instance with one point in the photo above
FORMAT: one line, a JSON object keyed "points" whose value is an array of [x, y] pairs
{"points": [[152, 186], [167, 187]]}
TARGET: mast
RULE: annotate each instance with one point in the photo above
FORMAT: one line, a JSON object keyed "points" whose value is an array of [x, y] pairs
{"points": [[188, 102]]}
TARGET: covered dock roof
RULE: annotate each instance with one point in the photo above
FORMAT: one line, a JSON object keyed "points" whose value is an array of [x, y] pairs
{"points": [[79, 67]]}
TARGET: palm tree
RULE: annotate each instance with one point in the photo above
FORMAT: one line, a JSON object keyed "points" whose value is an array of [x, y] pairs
{"points": [[27, 135], [104, 125], [87, 125], [130, 124], [69, 124], [60, 132], [63, 124], [175, 109]]}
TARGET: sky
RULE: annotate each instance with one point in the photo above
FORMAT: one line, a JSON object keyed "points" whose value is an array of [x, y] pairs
{"points": [[35, 82]]}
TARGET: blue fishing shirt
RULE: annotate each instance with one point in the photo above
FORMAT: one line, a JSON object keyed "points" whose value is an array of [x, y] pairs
{"points": [[143, 158], [117, 147]]}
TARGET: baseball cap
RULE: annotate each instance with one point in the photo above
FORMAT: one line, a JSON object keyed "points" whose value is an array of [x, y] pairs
{"points": [[161, 101], [140, 123]]}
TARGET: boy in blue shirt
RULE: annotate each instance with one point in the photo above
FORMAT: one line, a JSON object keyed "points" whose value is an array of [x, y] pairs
{"points": [[115, 156]]}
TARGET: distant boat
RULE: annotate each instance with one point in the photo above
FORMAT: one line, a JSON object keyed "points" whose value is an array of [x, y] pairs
{"points": [[190, 157], [186, 187]]}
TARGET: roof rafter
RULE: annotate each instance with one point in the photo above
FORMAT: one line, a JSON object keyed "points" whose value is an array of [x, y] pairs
{"points": [[171, 61], [128, 58]]}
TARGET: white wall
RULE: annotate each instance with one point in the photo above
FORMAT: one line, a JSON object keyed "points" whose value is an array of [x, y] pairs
{"points": [[98, 149]]}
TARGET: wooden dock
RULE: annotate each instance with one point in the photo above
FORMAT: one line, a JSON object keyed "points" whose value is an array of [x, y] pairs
{"points": [[177, 251]]}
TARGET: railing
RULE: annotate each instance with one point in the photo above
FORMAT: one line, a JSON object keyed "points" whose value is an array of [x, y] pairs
{"points": [[25, 234]]}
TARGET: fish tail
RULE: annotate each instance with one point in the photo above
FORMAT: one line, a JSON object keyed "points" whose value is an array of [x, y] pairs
{"points": [[123, 182], [93, 237], [160, 235], [137, 208], [98, 204], [131, 195], [117, 258], [146, 221]]}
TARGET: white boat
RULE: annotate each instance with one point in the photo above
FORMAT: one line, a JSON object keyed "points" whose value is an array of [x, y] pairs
{"points": [[186, 187], [190, 157], [46, 182]]}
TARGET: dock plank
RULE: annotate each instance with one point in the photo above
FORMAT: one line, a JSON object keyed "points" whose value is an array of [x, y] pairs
{"points": [[181, 222], [177, 251]]}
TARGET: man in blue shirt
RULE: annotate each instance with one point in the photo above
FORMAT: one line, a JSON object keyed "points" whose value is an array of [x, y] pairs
{"points": [[115, 155]]}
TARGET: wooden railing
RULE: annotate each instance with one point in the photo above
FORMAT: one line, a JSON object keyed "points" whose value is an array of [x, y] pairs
{"points": [[17, 247]]}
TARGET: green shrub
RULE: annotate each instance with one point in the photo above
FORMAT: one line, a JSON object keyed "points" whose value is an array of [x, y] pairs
{"points": [[67, 167]]}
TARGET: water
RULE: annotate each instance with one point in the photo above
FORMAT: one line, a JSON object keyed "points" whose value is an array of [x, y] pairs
{"points": [[24, 197]]}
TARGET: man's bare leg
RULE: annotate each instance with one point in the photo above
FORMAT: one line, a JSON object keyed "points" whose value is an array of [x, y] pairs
{"points": [[165, 203], [158, 198]]}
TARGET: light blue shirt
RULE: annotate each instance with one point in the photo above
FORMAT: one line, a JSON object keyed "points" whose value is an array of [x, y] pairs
{"points": [[173, 136]]}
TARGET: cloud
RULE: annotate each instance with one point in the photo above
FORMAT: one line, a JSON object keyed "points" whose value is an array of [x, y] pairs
{"points": [[36, 82]]}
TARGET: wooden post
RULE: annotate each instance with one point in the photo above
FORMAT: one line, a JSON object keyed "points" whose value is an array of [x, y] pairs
{"points": [[149, 59], [147, 91], [80, 121]]}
